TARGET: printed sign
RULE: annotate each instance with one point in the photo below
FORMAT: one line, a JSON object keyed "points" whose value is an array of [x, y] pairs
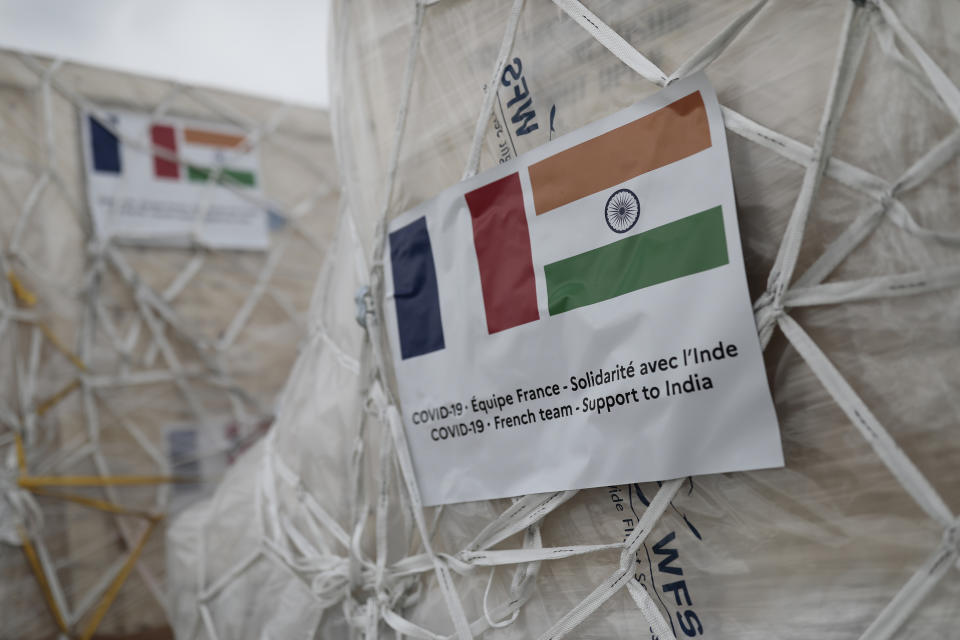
{"points": [[205, 453], [579, 316], [172, 181]]}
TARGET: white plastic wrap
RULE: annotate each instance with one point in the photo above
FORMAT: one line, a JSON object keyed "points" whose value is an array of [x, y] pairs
{"points": [[842, 120], [108, 348]]}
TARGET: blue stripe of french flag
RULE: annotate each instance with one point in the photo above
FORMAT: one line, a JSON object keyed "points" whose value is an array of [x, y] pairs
{"points": [[415, 293], [105, 147]]}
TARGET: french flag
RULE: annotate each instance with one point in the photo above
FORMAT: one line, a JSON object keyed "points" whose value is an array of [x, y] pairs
{"points": [[502, 243], [609, 266]]}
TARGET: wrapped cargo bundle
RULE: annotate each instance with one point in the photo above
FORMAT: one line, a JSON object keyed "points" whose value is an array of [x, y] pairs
{"points": [[126, 364], [842, 124]]}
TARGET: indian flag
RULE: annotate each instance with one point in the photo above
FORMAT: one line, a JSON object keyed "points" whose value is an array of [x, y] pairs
{"points": [[600, 219], [203, 149], [526, 305]]}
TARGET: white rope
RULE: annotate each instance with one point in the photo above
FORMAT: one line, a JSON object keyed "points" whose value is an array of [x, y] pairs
{"points": [[399, 128], [516, 556], [383, 583], [520, 515], [941, 83], [870, 428], [718, 44], [624, 574], [490, 90], [651, 612], [893, 286], [942, 153], [869, 220], [912, 594], [153, 310], [901, 217], [801, 154], [852, 41], [531, 509], [389, 411], [612, 41]]}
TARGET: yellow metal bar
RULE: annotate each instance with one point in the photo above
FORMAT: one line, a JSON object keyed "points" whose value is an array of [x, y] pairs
{"points": [[41, 579], [111, 593], [95, 503], [53, 400], [26, 297], [21, 454], [55, 341], [32, 482]]}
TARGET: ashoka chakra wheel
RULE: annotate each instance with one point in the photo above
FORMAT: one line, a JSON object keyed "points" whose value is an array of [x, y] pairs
{"points": [[622, 210]]}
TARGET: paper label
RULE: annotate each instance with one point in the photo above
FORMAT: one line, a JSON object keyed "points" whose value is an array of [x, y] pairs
{"points": [[205, 453], [579, 316], [172, 181]]}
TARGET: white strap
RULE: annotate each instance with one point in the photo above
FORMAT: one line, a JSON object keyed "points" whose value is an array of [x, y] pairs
{"points": [[612, 41], [852, 43], [799, 153], [624, 573], [515, 556], [842, 246], [490, 90], [916, 589], [718, 44], [870, 428], [520, 515], [941, 83], [651, 612], [892, 286]]}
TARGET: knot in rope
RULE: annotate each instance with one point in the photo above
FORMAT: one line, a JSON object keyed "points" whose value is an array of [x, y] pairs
{"points": [[886, 197], [367, 603], [364, 305], [767, 310], [951, 537]]}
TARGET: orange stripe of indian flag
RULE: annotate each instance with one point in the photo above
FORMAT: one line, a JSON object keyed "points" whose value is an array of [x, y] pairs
{"points": [[667, 135], [221, 140], [212, 138]]}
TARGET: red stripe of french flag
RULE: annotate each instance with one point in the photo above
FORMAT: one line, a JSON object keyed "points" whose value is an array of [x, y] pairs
{"points": [[502, 243], [164, 137]]}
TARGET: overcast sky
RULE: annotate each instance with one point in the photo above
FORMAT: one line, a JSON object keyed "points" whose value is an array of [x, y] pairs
{"points": [[275, 48]]}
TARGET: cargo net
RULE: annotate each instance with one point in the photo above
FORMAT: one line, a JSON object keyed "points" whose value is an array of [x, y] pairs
{"points": [[321, 532], [119, 361], [369, 588]]}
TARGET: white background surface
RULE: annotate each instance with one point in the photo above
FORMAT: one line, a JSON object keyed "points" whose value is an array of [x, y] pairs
{"points": [[276, 49], [731, 427], [138, 187]]}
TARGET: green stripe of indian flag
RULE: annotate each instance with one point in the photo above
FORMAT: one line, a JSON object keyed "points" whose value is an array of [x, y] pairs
{"points": [[235, 176], [674, 250]]}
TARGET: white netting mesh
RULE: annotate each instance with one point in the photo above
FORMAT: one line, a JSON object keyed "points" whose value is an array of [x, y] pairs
{"points": [[842, 120], [110, 350]]}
